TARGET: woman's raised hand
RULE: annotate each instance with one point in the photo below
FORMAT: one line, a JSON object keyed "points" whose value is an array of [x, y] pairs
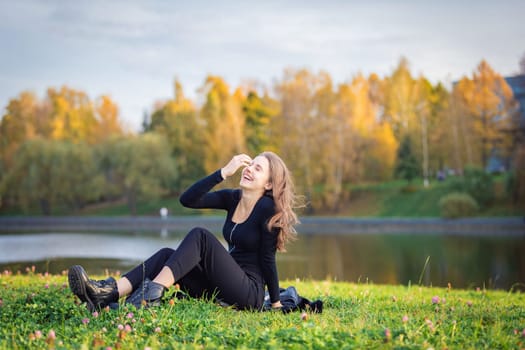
{"points": [[240, 160]]}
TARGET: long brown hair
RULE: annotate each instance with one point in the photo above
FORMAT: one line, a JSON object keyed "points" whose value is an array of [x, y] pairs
{"points": [[283, 193]]}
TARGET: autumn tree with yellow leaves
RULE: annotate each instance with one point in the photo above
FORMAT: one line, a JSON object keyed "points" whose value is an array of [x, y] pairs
{"points": [[483, 113], [177, 119], [46, 153], [222, 123], [330, 135]]}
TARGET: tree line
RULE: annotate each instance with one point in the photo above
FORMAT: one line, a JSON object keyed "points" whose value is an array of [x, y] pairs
{"points": [[69, 150]]}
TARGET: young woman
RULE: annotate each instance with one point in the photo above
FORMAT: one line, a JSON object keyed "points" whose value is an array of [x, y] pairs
{"points": [[259, 220]]}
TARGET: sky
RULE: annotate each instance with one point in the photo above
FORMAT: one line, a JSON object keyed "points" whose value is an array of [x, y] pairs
{"points": [[134, 50]]}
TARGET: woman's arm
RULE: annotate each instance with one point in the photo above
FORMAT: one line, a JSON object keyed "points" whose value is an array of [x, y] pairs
{"points": [[267, 255], [198, 195]]}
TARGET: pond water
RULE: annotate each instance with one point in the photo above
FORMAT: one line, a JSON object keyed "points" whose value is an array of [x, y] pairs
{"points": [[430, 259]]}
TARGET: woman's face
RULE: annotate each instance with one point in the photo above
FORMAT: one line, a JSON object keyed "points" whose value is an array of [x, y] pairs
{"points": [[256, 176]]}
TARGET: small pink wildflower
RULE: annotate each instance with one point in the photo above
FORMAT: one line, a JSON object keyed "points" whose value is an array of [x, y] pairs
{"points": [[95, 314], [127, 328], [85, 320], [523, 333], [435, 300], [51, 335], [120, 327], [405, 319], [304, 316], [129, 315], [38, 334], [157, 330], [46, 286], [469, 303], [388, 334]]}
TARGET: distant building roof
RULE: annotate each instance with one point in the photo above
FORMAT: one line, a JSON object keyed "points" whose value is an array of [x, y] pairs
{"points": [[517, 85]]}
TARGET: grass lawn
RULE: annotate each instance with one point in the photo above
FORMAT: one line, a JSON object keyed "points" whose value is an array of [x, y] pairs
{"points": [[38, 311], [391, 199]]}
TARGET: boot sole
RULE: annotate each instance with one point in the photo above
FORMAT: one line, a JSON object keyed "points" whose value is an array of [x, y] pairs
{"points": [[78, 286]]}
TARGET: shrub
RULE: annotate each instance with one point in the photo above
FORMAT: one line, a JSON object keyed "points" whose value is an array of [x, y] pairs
{"points": [[457, 204], [477, 183]]}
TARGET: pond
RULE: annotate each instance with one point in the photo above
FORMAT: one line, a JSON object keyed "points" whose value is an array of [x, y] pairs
{"points": [[428, 259]]}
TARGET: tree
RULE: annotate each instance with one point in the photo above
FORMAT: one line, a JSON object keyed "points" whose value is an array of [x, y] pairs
{"points": [[438, 125], [488, 104], [177, 121], [64, 114], [327, 156], [259, 113], [137, 167], [407, 165], [401, 100], [32, 180], [72, 115], [223, 124], [423, 90], [381, 155], [297, 127], [18, 124], [49, 173], [108, 121], [370, 144]]}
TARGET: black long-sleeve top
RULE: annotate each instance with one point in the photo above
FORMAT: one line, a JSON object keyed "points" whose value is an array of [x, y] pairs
{"points": [[250, 242]]}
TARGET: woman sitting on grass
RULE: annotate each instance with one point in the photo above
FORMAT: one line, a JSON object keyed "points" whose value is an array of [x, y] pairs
{"points": [[259, 221]]}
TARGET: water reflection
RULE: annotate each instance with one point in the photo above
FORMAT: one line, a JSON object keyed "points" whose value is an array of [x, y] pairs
{"points": [[463, 261]]}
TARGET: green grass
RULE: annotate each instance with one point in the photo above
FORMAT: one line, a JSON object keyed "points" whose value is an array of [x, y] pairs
{"points": [[355, 316], [423, 202], [394, 199]]}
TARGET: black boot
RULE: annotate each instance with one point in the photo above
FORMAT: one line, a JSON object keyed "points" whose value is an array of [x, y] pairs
{"points": [[148, 294], [97, 294]]}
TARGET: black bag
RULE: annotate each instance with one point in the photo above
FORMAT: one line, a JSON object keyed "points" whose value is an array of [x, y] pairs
{"points": [[292, 301]]}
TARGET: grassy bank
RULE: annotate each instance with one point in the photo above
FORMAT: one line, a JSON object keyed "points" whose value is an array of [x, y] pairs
{"points": [[38, 311], [388, 199]]}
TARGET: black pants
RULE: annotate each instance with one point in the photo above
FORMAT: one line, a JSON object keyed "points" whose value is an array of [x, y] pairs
{"points": [[203, 268]]}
